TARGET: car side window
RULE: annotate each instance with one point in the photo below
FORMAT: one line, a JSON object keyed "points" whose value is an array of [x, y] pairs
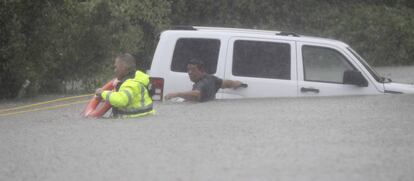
{"points": [[261, 59], [206, 50], [322, 64]]}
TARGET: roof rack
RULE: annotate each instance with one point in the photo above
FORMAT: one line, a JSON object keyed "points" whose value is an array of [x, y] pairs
{"points": [[241, 30], [182, 27], [285, 33], [190, 27]]}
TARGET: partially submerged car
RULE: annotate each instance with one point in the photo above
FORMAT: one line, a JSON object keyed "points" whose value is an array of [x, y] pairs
{"points": [[272, 63]]}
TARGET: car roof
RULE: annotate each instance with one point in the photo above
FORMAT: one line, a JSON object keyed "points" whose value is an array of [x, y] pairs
{"points": [[257, 33]]}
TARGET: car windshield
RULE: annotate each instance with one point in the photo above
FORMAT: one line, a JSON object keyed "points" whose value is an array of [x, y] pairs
{"points": [[369, 68]]}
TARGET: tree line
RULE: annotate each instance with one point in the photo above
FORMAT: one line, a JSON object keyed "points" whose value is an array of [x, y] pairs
{"points": [[56, 43]]}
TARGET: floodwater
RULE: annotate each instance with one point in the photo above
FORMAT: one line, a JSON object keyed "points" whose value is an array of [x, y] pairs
{"points": [[329, 138]]}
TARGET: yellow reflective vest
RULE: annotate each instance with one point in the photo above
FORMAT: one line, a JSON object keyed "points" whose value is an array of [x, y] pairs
{"points": [[131, 98]]}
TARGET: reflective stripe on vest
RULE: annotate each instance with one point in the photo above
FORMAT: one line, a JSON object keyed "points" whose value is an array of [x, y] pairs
{"points": [[141, 109], [107, 96], [142, 95], [135, 111], [126, 92], [129, 96]]}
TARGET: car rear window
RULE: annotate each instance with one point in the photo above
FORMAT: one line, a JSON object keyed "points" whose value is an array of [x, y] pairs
{"points": [[206, 50]]}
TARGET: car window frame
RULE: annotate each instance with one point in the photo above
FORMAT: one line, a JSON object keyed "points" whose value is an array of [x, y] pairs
{"points": [[324, 47], [198, 38], [291, 47]]}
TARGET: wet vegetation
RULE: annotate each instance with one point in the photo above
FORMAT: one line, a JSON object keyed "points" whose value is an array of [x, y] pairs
{"points": [[60, 45]]}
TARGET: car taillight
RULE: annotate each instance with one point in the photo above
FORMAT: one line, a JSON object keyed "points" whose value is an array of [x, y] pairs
{"points": [[156, 88]]}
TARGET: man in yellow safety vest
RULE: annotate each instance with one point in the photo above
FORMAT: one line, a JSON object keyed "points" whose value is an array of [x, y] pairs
{"points": [[130, 98]]}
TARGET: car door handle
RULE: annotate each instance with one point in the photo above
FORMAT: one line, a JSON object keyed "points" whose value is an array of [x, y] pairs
{"points": [[244, 85], [304, 89]]}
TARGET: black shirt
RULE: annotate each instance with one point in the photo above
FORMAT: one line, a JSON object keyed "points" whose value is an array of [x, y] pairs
{"points": [[208, 87]]}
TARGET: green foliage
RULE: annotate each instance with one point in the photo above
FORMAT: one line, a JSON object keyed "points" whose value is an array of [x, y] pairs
{"points": [[381, 30], [387, 34], [51, 43]]}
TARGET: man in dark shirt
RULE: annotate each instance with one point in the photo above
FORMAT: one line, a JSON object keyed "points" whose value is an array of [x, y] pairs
{"points": [[205, 86]]}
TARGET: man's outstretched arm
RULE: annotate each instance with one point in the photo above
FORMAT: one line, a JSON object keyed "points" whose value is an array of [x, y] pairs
{"points": [[231, 84]]}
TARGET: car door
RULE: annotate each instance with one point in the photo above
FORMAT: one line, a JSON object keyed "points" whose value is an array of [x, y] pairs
{"points": [[321, 71], [266, 65]]}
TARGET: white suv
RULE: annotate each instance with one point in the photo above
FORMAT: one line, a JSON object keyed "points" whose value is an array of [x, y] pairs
{"points": [[272, 63]]}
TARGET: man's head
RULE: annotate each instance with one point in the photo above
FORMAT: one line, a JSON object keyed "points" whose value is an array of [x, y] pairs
{"points": [[124, 64], [195, 70]]}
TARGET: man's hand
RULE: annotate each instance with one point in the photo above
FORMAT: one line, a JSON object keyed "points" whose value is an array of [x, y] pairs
{"points": [[232, 84], [170, 96], [98, 92], [243, 85], [193, 95], [115, 82], [236, 84]]}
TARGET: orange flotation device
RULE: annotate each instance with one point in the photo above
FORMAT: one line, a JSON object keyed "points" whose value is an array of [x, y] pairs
{"points": [[92, 110]]}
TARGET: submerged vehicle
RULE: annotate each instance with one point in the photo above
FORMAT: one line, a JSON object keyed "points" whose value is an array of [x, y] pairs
{"points": [[272, 63]]}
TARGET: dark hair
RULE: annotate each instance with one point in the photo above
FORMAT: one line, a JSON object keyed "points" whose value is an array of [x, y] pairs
{"points": [[197, 62]]}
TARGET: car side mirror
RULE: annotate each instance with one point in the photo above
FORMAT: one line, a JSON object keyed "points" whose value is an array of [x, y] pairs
{"points": [[355, 77]]}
